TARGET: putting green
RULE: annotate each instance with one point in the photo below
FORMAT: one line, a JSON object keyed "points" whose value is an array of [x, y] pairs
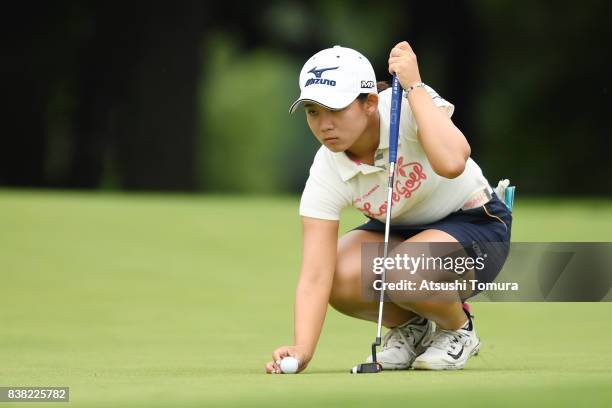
{"points": [[177, 300]]}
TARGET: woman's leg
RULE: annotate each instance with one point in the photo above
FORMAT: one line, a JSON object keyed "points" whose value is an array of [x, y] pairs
{"points": [[448, 312], [346, 294]]}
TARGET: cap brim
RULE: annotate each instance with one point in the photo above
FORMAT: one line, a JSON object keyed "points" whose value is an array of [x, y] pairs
{"points": [[331, 101]]}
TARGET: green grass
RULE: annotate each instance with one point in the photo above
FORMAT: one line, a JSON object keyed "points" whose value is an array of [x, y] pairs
{"points": [[153, 300]]}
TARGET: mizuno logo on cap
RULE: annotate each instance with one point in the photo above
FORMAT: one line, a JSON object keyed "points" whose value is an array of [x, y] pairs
{"points": [[318, 72], [317, 79]]}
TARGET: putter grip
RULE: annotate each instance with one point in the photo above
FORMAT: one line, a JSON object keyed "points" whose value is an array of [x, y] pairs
{"points": [[396, 107]]}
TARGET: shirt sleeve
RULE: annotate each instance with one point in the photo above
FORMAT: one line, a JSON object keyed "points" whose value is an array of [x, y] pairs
{"points": [[408, 128], [440, 102], [325, 194]]}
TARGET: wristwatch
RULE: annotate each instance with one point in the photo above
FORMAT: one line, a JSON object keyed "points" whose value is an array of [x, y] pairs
{"points": [[411, 87]]}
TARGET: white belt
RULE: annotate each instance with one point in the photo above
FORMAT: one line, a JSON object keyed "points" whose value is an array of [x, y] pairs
{"points": [[478, 199]]}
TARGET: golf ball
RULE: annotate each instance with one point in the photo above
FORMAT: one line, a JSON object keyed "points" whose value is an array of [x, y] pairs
{"points": [[289, 365]]}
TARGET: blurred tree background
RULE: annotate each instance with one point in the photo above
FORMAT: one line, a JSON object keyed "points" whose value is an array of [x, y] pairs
{"points": [[193, 96]]}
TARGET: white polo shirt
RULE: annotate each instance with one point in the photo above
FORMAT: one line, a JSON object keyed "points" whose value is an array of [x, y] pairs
{"points": [[420, 196]]}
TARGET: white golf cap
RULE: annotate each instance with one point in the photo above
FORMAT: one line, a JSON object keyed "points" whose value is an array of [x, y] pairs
{"points": [[334, 77]]}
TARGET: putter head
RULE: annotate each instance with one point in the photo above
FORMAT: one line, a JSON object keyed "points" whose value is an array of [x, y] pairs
{"points": [[366, 368]]}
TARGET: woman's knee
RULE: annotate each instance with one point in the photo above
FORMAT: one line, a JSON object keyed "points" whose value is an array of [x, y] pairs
{"points": [[346, 284], [346, 287]]}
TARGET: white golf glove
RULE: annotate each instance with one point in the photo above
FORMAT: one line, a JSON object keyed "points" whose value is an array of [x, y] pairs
{"points": [[500, 190]]}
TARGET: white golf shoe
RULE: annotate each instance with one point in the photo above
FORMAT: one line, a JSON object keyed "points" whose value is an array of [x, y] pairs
{"points": [[403, 343], [449, 349]]}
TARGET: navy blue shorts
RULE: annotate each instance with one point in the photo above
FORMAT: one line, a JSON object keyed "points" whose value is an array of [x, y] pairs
{"points": [[482, 229]]}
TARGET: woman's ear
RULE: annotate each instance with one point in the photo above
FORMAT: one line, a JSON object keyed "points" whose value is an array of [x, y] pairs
{"points": [[371, 103]]}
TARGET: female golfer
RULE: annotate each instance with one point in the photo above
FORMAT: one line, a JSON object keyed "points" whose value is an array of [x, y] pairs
{"points": [[440, 196]]}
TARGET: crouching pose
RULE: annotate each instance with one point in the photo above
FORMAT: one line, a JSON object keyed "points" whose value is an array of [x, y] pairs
{"points": [[440, 196]]}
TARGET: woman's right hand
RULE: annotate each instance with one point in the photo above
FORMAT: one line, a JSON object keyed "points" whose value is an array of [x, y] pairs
{"points": [[299, 353], [403, 63]]}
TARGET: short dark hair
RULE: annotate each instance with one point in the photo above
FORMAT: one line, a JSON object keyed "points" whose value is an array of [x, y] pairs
{"points": [[380, 86]]}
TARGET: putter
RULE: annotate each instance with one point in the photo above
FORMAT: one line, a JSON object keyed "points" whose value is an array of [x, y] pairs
{"points": [[396, 107]]}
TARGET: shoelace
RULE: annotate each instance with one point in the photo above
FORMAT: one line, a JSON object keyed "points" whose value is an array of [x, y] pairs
{"points": [[394, 338], [399, 336], [443, 338], [412, 334]]}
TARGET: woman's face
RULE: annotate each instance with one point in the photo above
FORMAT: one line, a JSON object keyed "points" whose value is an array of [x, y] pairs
{"points": [[337, 129]]}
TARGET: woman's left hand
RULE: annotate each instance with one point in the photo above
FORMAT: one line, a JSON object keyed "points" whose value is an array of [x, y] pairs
{"points": [[403, 64]]}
